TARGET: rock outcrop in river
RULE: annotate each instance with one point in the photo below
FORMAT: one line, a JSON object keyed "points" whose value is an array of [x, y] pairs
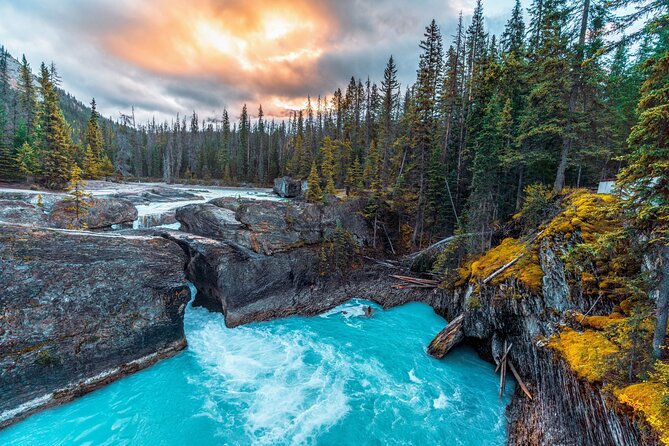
{"points": [[81, 309], [259, 260]]}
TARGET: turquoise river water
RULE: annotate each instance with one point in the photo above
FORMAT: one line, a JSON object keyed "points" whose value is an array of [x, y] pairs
{"points": [[336, 379]]}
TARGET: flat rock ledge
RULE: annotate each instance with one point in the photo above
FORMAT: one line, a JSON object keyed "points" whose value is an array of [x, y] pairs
{"points": [[78, 389], [81, 309]]}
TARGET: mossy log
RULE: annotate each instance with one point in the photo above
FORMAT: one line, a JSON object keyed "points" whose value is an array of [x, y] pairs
{"points": [[447, 338]]}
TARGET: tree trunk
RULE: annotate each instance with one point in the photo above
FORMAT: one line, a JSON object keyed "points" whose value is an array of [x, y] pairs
{"points": [[662, 305], [573, 97]]}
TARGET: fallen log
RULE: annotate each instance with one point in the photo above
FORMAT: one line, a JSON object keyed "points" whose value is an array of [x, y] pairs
{"points": [[502, 379], [413, 282], [421, 260], [447, 338], [519, 379], [506, 352]]}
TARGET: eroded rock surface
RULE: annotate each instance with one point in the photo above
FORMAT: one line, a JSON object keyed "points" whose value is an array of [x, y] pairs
{"points": [[102, 213], [21, 212], [248, 286], [158, 194], [270, 227], [78, 310]]}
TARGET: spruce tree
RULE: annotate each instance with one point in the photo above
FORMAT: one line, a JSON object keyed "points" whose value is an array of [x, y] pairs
{"points": [[7, 157], [93, 134], [389, 100], [54, 144], [90, 164], [424, 124], [327, 165], [372, 171], [314, 192], [26, 161], [27, 100], [645, 180], [354, 177]]}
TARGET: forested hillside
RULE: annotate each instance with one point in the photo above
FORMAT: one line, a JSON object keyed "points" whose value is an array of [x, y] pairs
{"points": [[551, 100]]}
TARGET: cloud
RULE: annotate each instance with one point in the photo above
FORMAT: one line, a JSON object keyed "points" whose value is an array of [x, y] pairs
{"points": [[165, 57]]}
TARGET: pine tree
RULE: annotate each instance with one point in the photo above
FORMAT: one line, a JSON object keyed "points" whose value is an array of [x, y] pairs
{"points": [[78, 198], [314, 192], [54, 144], [327, 165], [26, 161], [27, 100], [93, 134]]}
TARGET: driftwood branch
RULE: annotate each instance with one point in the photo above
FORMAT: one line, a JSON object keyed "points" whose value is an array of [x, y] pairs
{"points": [[502, 375], [386, 263], [512, 262]]}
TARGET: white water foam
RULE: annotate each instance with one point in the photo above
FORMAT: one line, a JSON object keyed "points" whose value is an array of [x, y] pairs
{"points": [[283, 395]]}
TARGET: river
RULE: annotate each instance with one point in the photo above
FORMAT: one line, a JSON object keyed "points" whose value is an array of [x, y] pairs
{"points": [[337, 379]]}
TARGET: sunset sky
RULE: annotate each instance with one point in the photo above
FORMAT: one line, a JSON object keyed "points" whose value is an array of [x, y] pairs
{"points": [[164, 57]]}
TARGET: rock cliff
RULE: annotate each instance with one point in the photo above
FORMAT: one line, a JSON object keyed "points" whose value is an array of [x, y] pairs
{"points": [[81, 309]]}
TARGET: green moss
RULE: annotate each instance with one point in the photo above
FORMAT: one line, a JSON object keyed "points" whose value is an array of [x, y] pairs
{"points": [[46, 357]]}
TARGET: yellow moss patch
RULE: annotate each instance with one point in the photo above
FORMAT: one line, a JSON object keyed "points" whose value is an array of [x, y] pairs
{"points": [[585, 352], [646, 399], [527, 269], [598, 322], [584, 212]]}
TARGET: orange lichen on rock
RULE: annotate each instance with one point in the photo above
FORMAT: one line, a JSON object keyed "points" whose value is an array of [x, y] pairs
{"points": [[585, 352], [646, 399]]}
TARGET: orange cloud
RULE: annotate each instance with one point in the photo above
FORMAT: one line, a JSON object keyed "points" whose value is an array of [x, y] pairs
{"points": [[236, 41]]}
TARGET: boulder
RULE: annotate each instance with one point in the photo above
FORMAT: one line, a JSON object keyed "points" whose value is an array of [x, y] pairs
{"points": [[79, 310], [270, 227], [287, 187], [208, 220], [20, 212], [231, 203], [102, 213], [159, 194]]}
